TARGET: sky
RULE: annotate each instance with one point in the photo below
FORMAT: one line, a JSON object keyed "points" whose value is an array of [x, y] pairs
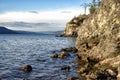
{"points": [[45, 10], [35, 5], [36, 11]]}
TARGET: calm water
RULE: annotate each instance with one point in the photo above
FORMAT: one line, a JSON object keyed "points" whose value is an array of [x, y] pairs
{"points": [[35, 50]]}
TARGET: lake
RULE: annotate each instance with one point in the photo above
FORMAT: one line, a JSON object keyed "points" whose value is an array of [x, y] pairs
{"points": [[17, 50]]}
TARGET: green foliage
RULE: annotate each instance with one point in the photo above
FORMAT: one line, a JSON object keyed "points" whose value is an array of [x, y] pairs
{"points": [[92, 9], [71, 22]]}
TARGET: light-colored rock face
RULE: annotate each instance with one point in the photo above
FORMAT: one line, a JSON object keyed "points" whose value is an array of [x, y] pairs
{"points": [[98, 40], [101, 31], [71, 29], [99, 36]]}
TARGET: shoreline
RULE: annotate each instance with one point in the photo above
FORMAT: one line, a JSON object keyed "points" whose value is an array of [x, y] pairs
{"points": [[98, 41]]}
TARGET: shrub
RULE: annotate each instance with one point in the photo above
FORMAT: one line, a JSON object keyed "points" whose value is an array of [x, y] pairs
{"points": [[71, 22], [92, 9]]}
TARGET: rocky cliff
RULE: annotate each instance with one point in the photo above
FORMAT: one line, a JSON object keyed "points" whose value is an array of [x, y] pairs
{"points": [[98, 38], [98, 42], [72, 26]]}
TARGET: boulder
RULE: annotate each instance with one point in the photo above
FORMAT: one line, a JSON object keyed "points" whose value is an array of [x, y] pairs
{"points": [[74, 50], [63, 54], [111, 72], [71, 49], [54, 55], [65, 68], [73, 78], [27, 68]]}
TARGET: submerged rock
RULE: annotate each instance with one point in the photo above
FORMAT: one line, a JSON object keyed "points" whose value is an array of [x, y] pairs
{"points": [[27, 68], [65, 68], [73, 78], [54, 55], [71, 49], [63, 54], [74, 50]]}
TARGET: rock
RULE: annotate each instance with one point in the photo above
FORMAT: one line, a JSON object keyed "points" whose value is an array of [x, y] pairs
{"points": [[73, 78], [63, 54], [67, 49], [103, 76], [65, 68], [72, 26], [74, 50], [118, 76], [71, 49], [27, 68], [54, 55], [78, 58], [91, 76], [98, 39], [82, 70], [111, 72]]}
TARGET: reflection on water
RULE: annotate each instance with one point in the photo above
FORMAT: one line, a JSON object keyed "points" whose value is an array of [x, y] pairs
{"points": [[35, 50]]}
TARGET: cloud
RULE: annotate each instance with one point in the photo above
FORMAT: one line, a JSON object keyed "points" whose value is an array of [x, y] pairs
{"points": [[66, 12], [33, 12], [40, 16]]}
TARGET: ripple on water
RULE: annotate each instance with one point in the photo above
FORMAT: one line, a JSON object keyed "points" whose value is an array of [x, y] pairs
{"points": [[35, 50]]}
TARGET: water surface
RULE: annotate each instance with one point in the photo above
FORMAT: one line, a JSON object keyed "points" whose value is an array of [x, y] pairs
{"points": [[19, 49]]}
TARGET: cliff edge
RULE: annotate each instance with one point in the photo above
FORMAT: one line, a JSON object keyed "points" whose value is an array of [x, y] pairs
{"points": [[98, 39], [98, 42], [72, 26]]}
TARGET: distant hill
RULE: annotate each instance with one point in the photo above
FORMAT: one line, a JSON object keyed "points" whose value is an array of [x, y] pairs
{"points": [[4, 30], [35, 27]]}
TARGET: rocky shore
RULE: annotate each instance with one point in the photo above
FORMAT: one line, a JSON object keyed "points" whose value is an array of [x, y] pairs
{"points": [[98, 42]]}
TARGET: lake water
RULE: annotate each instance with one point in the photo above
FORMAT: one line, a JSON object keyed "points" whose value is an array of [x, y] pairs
{"points": [[17, 50]]}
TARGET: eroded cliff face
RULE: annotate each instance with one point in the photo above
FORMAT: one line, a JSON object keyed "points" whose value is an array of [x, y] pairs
{"points": [[72, 27], [99, 37]]}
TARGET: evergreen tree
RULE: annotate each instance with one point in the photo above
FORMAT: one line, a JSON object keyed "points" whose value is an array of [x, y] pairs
{"points": [[93, 7]]}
